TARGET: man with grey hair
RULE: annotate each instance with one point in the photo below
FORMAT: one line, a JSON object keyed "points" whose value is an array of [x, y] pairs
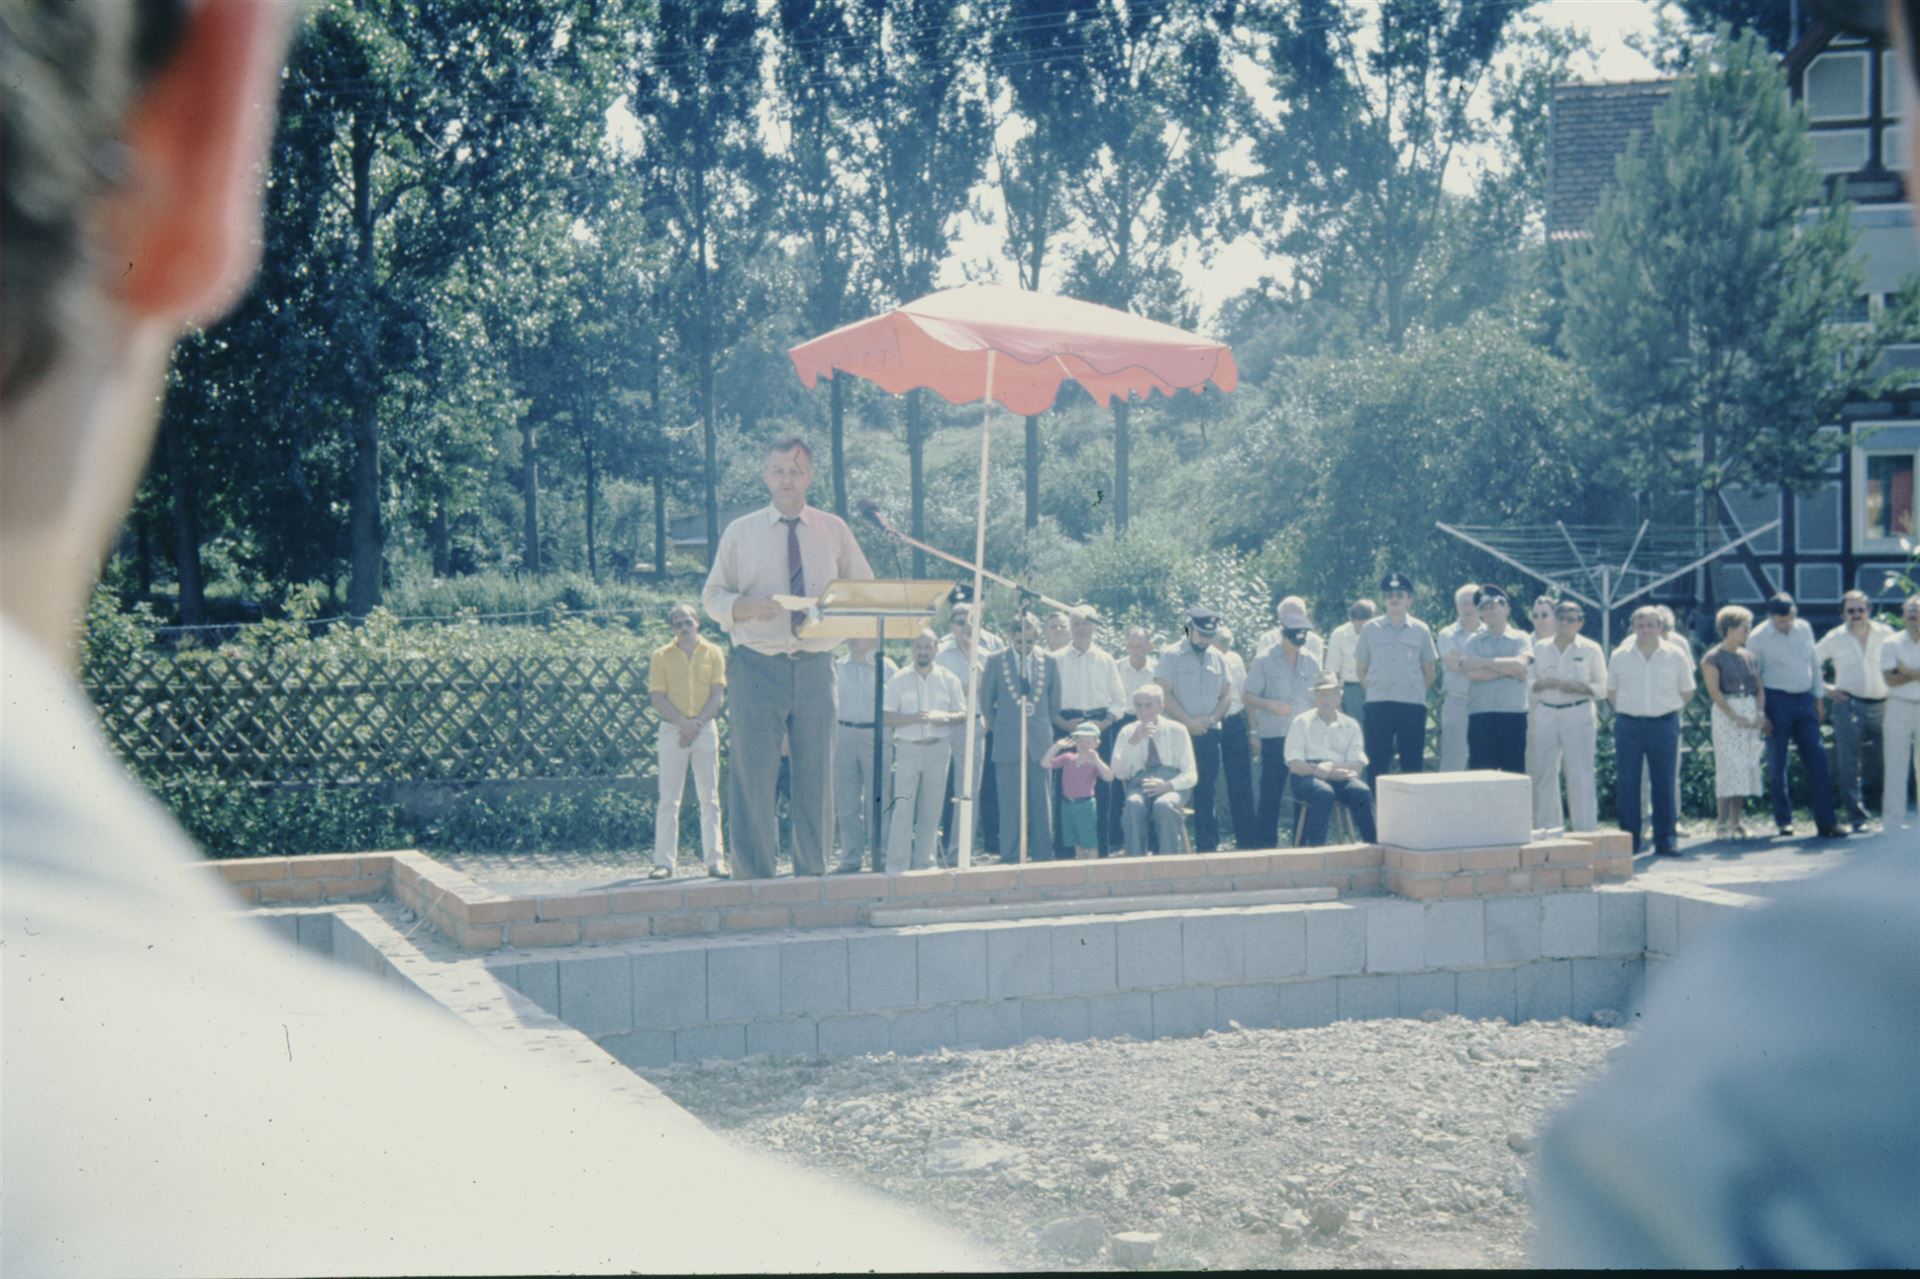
{"points": [[1136, 668], [1649, 685], [1454, 684], [1153, 758], [1858, 695], [963, 654]]}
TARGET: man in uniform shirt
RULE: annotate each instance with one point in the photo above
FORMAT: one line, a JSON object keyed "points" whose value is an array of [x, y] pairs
{"points": [[1153, 759], [1340, 647], [1648, 683], [1194, 679], [686, 682], [1495, 662], [1395, 660], [1795, 706], [1136, 668], [1236, 746], [853, 677], [1271, 636], [1900, 668], [1858, 696], [782, 684], [1279, 686], [1020, 695], [924, 705], [1326, 756], [1569, 676], [1090, 693], [1454, 684]]}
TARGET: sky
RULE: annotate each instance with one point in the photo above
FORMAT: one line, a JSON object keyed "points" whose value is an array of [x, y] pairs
{"points": [[1231, 267]]}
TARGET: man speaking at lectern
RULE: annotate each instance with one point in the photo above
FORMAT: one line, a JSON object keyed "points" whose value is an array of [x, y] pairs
{"points": [[782, 684]]}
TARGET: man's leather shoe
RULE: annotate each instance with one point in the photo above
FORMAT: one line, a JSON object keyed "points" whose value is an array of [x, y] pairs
{"points": [[1666, 852], [1830, 832]]}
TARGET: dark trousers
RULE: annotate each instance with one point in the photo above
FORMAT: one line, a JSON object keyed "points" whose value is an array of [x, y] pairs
{"points": [[1395, 728], [1652, 740], [1319, 795], [775, 698], [1276, 792], [1794, 719], [1497, 740], [1236, 761], [1206, 822], [1859, 743], [1039, 818]]}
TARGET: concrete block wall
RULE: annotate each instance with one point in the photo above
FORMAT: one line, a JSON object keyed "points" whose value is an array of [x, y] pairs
{"points": [[838, 992]]}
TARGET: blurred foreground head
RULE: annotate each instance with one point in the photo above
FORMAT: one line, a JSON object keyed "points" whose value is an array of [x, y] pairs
{"points": [[136, 133]]}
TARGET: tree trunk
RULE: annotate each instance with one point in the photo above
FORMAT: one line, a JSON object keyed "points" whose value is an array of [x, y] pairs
{"points": [[530, 495], [836, 428], [368, 539], [709, 461], [1122, 462], [659, 527], [186, 529], [917, 479], [1033, 472], [593, 561], [440, 538]]}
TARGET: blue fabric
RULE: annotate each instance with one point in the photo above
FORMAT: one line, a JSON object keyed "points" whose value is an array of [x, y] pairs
{"points": [[1794, 720], [1655, 742]]}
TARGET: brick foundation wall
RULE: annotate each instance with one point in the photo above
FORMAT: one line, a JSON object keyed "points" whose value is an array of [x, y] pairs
{"points": [[1544, 866]]}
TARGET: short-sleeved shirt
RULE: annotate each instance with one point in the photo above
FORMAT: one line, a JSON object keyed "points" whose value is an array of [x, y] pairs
{"points": [[1507, 694], [1196, 677], [1271, 676], [853, 689], [1649, 686], [1393, 656], [1856, 666], [1900, 650], [687, 681], [909, 693], [1312, 740], [1580, 662], [1453, 639], [1787, 662], [1739, 673]]}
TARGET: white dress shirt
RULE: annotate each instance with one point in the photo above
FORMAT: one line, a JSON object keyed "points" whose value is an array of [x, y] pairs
{"points": [[1312, 740], [752, 560], [910, 692], [1090, 680], [1175, 748], [1649, 686], [1900, 650], [1856, 666], [1340, 652], [1131, 679], [1581, 662]]}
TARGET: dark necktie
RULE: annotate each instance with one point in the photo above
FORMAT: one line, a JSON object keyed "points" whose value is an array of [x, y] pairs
{"points": [[796, 572], [1153, 751], [1026, 685]]}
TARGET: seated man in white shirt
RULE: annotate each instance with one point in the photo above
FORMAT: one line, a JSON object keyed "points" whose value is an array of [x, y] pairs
{"points": [[1326, 755], [1154, 757]]}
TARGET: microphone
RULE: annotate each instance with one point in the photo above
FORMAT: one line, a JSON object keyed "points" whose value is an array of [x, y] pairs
{"points": [[871, 510]]}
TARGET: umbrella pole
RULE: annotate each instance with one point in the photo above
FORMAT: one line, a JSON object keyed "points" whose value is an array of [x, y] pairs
{"points": [[964, 858]]}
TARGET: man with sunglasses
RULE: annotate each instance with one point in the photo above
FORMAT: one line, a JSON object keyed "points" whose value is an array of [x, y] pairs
{"points": [[1858, 696]]}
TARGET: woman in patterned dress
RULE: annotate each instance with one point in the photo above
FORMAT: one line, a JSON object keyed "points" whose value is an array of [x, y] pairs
{"points": [[1732, 678]]}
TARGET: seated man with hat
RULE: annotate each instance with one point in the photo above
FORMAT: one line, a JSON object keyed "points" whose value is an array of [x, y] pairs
{"points": [[1326, 757], [1154, 757], [1198, 691]]}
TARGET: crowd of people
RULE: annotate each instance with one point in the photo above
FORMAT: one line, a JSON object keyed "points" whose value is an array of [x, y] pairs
{"points": [[1079, 752]]}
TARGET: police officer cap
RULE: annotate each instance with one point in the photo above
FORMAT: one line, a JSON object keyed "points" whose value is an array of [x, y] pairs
{"points": [[1203, 619], [962, 594], [1489, 592], [1397, 582]]}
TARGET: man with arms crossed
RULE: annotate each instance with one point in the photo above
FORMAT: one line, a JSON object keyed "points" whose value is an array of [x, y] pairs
{"points": [[782, 684], [1454, 683], [1569, 676]]}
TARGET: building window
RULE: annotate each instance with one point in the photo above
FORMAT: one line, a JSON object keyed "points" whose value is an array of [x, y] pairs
{"points": [[1836, 87], [1840, 150], [1893, 148], [1886, 497], [1856, 310], [1891, 107]]}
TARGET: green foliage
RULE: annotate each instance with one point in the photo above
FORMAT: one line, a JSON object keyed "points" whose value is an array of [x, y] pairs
{"points": [[1700, 309]]}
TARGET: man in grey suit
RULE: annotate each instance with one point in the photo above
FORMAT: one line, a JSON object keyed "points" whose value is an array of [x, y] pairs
{"points": [[1020, 691]]}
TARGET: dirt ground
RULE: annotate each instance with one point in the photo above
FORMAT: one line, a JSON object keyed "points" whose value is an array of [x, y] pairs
{"points": [[1382, 1144]]}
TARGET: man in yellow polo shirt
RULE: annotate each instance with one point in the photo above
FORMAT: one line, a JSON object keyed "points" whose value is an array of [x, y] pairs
{"points": [[687, 681]]}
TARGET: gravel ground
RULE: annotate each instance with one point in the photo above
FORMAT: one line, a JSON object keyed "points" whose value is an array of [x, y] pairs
{"points": [[1364, 1144]]}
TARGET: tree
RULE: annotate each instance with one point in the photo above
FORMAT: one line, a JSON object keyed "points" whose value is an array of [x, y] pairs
{"points": [[920, 141], [705, 179], [1376, 105], [1034, 49], [1157, 110], [1701, 308]]}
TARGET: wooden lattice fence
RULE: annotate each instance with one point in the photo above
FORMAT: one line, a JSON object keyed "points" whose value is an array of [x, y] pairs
{"points": [[299, 721]]}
